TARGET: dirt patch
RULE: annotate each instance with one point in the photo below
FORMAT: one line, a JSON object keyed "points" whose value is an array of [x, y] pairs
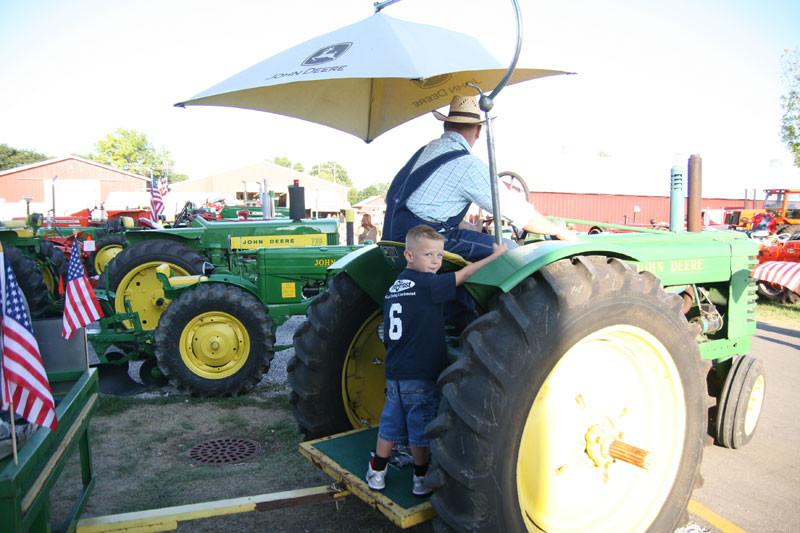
{"points": [[139, 447]]}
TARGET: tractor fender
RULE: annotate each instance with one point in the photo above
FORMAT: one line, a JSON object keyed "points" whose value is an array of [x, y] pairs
{"points": [[372, 272], [508, 270], [173, 292], [369, 269]]}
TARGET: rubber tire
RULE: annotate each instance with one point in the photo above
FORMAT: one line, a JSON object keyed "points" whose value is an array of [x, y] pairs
{"points": [[510, 352], [204, 298], [321, 345], [29, 279], [766, 291], [733, 407], [103, 242], [57, 267], [160, 250], [792, 229]]}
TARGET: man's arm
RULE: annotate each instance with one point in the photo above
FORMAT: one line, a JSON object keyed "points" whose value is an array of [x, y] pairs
{"points": [[539, 224], [470, 269]]}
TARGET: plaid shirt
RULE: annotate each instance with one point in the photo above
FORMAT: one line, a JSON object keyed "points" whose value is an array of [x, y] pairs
{"points": [[458, 183]]}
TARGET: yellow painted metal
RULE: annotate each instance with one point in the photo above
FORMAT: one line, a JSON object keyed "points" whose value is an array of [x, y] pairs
{"points": [[278, 241], [167, 519], [104, 256], [363, 374], [50, 281], [145, 292], [356, 485], [214, 345], [625, 380], [754, 404]]}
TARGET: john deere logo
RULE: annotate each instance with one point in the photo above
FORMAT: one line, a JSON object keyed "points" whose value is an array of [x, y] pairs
{"points": [[435, 81], [327, 53]]}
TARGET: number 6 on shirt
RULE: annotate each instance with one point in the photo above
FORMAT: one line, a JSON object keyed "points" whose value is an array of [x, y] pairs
{"points": [[395, 324]]}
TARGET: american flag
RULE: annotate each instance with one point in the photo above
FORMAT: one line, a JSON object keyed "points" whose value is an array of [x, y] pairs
{"points": [[80, 305], [22, 380], [163, 187], [156, 199]]}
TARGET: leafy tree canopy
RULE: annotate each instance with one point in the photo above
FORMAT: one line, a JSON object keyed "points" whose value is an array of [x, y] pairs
{"points": [[790, 102], [282, 161], [378, 189], [14, 157], [131, 151], [331, 171]]}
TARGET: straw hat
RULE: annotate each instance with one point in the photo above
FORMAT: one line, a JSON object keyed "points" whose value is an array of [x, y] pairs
{"points": [[463, 109]]}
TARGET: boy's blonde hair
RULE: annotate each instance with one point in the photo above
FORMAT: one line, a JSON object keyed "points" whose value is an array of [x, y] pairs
{"points": [[422, 231]]}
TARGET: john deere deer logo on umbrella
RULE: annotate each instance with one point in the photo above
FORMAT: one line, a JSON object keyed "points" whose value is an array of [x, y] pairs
{"points": [[325, 54]]}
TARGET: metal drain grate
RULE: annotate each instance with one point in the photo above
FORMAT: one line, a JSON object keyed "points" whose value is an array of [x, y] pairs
{"points": [[224, 451]]}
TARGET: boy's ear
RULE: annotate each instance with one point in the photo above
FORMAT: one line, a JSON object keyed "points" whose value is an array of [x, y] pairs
{"points": [[407, 254]]}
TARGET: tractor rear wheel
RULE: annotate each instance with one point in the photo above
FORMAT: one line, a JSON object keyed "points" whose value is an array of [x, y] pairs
{"points": [[215, 340], [132, 276], [52, 264], [337, 373], [106, 249], [559, 381], [30, 280]]}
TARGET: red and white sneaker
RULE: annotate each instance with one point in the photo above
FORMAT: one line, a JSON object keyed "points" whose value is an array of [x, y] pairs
{"points": [[376, 479]]}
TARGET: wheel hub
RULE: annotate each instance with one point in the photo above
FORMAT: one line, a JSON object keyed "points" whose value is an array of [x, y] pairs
{"points": [[214, 345]]}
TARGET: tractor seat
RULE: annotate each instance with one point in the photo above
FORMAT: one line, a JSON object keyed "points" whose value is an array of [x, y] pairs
{"points": [[393, 253]]}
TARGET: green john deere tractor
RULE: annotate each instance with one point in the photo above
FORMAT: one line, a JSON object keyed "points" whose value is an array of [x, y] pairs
{"points": [[582, 395]]}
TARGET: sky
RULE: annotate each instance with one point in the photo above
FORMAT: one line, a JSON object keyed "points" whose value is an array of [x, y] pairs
{"points": [[654, 83]]}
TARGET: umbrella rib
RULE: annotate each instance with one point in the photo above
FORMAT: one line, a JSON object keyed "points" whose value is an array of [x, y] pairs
{"points": [[369, 110]]}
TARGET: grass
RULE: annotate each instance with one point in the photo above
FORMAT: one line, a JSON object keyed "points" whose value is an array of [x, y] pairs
{"points": [[786, 315]]}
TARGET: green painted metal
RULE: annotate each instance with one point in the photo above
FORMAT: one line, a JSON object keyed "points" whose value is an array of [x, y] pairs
{"points": [[25, 487]]}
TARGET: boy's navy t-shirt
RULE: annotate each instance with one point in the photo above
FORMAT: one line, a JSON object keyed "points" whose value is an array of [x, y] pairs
{"points": [[413, 324]]}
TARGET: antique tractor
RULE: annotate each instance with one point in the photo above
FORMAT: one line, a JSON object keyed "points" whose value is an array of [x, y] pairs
{"points": [[584, 393]]}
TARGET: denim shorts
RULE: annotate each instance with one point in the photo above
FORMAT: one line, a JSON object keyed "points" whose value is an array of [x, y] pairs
{"points": [[410, 405]]}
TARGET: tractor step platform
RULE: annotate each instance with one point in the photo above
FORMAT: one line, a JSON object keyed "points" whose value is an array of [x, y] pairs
{"points": [[344, 457]]}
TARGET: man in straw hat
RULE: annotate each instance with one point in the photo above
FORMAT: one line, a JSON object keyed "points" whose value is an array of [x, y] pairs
{"points": [[440, 182]]}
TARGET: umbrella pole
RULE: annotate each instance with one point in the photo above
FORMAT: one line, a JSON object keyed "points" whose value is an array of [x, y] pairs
{"points": [[486, 103]]}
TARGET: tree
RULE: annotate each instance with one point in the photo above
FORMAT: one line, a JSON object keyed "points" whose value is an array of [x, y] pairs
{"points": [[13, 157], [282, 161], [378, 189], [332, 171], [299, 167], [790, 102], [131, 151]]}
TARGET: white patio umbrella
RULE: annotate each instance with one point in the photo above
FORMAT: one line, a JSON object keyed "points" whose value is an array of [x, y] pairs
{"points": [[366, 78]]}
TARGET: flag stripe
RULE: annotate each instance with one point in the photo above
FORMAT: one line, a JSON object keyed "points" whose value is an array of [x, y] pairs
{"points": [[24, 380], [80, 304]]}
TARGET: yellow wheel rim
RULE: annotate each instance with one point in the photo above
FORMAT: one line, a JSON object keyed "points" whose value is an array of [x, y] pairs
{"points": [[50, 280], [364, 376], [754, 404], [104, 256], [622, 380], [214, 345], [146, 294]]}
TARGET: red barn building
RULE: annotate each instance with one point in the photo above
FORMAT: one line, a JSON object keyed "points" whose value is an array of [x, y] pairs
{"points": [[67, 183]]}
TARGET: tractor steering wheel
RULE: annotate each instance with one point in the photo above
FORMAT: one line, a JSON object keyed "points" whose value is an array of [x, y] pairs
{"points": [[185, 214]]}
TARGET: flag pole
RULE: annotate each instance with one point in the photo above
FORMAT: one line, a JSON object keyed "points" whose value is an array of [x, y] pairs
{"points": [[13, 429]]}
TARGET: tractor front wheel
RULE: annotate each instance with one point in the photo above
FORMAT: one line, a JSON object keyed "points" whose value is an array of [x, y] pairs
{"points": [[577, 404], [337, 373], [215, 340]]}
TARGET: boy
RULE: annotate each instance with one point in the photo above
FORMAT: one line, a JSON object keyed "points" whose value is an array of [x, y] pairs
{"points": [[416, 352]]}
